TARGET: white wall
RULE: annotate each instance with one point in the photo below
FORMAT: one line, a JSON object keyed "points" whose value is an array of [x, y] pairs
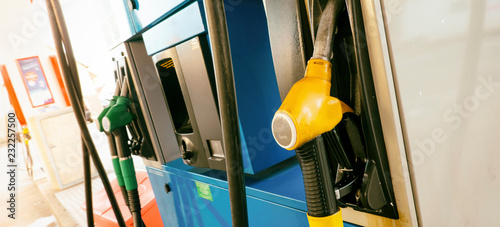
{"points": [[446, 65], [26, 32]]}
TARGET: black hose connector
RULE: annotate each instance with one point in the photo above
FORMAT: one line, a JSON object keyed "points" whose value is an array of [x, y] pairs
{"points": [[125, 195], [133, 198], [135, 207], [318, 180]]}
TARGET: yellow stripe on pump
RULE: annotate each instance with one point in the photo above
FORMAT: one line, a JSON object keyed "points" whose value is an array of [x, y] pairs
{"points": [[308, 110], [334, 220]]}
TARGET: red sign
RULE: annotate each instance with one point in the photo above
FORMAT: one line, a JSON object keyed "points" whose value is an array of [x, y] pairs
{"points": [[35, 82]]}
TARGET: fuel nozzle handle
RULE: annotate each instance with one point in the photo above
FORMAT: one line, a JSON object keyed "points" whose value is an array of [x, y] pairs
{"points": [[103, 113], [308, 110], [117, 116], [318, 180]]}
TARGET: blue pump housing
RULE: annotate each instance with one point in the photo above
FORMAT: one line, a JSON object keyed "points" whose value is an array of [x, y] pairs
{"points": [[275, 197], [256, 87]]}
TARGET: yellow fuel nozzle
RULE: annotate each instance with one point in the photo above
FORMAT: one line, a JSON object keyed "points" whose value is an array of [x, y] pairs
{"points": [[308, 110]]}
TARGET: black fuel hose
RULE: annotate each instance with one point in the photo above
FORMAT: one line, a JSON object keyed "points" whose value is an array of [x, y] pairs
{"points": [[326, 30], [135, 208], [70, 74], [221, 53], [87, 179]]}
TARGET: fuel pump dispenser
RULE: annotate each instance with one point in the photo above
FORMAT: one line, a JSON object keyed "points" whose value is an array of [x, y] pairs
{"points": [[323, 138], [329, 117], [340, 163], [166, 106]]}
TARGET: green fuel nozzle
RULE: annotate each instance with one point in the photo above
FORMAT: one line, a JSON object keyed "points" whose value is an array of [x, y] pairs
{"points": [[103, 113], [117, 116]]}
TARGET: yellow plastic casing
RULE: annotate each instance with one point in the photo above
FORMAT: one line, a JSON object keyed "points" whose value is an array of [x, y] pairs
{"points": [[26, 133], [310, 106], [334, 220]]}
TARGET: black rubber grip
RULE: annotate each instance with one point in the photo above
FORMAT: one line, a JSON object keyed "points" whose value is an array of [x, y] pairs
{"points": [[135, 203], [125, 195], [318, 181]]}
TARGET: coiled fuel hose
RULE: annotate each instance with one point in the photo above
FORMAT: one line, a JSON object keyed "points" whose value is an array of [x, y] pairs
{"points": [[309, 111]]}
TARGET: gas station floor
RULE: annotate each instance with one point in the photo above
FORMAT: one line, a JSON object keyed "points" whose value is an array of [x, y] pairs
{"points": [[67, 204], [40, 205], [32, 208]]}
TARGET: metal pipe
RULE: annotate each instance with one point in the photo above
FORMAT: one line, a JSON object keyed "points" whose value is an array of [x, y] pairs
{"points": [[326, 30], [117, 88], [217, 30], [124, 91], [76, 103]]}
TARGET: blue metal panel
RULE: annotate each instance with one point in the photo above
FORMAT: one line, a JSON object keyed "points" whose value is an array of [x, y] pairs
{"points": [[196, 211], [281, 184], [255, 82], [149, 11], [183, 25], [247, 165], [203, 212], [164, 200], [273, 197]]}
